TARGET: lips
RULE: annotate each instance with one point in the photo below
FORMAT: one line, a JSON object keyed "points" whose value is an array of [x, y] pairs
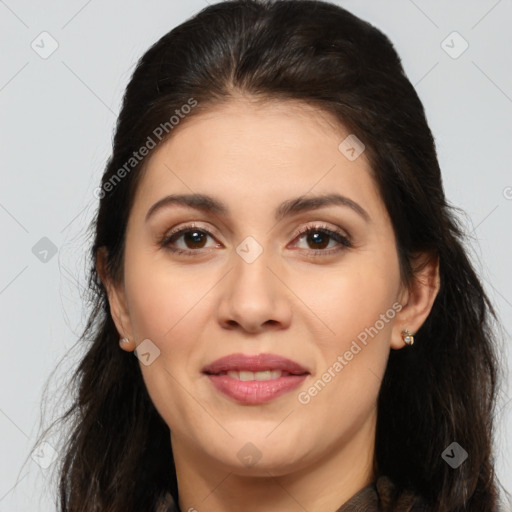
{"points": [[255, 379]]}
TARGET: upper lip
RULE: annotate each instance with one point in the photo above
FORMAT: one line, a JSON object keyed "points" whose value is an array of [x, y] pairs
{"points": [[254, 363]]}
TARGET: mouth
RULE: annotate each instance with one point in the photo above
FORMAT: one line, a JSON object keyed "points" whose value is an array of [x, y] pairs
{"points": [[255, 379], [262, 375]]}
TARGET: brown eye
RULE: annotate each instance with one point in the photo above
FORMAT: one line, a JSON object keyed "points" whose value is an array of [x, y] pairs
{"points": [[318, 239], [194, 239], [187, 240]]}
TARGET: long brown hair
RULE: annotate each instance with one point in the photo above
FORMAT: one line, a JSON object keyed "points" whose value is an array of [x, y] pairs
{"points": [[118, 457]]}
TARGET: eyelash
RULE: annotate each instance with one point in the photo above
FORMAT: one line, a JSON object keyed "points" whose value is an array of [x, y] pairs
{"points": [[337, 236]]}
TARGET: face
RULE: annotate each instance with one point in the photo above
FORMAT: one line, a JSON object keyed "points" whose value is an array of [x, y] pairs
{"points": [[303, 320]]}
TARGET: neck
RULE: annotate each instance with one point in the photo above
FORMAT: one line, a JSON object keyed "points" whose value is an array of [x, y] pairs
{"points": [[323, 484]]}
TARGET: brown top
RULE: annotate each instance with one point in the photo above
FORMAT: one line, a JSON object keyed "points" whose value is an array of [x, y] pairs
{"points": [[379, 496]]}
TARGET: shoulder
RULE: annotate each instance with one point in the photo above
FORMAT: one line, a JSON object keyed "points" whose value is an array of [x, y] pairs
{"points": [[383, 496], [393, 499]]}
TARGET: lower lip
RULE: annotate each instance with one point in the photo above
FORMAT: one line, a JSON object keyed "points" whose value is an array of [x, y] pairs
{"points": [[255, 391]]}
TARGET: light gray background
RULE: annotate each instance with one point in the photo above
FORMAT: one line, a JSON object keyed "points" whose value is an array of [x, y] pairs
{"points": [[57, 120]]}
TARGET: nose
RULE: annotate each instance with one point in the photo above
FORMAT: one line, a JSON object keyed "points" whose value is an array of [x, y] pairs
{"points": [[253, 298]]}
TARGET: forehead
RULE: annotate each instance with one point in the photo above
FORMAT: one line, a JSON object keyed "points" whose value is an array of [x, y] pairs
{"points": [[265, 152]]}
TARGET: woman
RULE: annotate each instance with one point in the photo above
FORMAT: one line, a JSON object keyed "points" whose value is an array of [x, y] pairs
{"points": [[274, 245]]}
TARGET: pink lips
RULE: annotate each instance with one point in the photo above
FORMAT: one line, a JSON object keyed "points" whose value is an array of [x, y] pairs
{"points": [[255, 391]]}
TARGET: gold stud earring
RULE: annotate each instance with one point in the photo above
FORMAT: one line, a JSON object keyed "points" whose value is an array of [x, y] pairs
{"points": [[408, 337], [124, 343]]}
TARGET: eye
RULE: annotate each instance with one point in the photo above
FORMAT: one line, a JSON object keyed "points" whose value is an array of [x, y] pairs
{"points": [[319, 237], [192, 237]]}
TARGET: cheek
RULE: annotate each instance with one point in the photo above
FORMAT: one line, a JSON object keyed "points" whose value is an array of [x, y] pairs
{"points": [[353, 357], [355, 303], [160, 296], [350, 299], [171, 308], [165, 308]]}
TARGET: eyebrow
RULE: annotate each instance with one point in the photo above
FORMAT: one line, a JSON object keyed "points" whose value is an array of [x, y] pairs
{"points": [[289, 207]]}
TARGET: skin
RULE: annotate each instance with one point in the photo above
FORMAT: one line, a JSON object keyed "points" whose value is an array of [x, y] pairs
{"points": [[304, 306]]}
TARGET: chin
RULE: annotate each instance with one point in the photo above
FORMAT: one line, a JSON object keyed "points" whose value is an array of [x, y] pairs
{"points": [[257, 456], [266, 466]]}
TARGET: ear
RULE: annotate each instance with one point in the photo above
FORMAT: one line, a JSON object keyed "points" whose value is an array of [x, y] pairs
{"points": [[116, 296], [417, 300]]}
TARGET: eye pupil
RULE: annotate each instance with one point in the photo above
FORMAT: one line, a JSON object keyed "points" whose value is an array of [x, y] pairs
{"points": [[195, 237], [320, 240]]}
